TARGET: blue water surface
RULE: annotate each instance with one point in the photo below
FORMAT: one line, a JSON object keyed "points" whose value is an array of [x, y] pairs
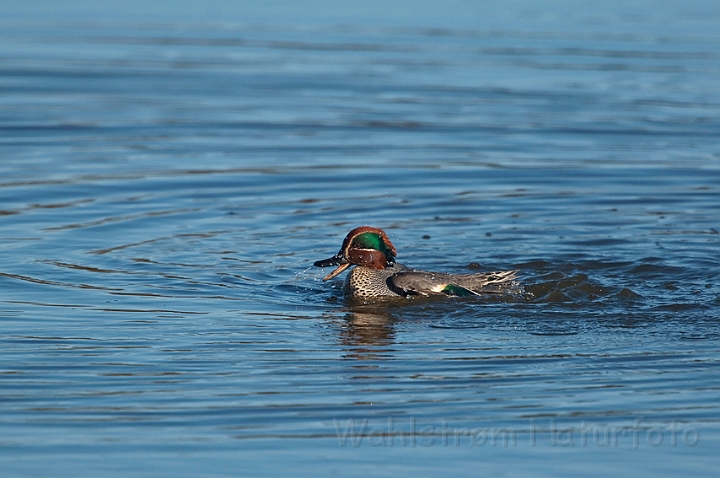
{"points": [[169, 172]]}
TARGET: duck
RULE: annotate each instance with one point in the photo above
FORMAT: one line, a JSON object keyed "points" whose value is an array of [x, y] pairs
{"points": [[376, 275]]}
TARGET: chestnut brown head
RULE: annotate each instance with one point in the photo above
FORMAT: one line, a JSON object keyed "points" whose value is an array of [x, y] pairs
{"points": [[363, 246]]}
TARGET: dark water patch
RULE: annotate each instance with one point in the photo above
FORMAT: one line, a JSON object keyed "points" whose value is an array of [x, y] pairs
{"points": [[599, 242]]}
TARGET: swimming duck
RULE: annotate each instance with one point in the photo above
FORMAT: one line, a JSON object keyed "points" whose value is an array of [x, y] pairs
{"points": [[377, 275]]}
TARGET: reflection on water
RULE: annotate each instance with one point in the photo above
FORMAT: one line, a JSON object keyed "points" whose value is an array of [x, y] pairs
{"points": [[368, 334], [166, 185]]}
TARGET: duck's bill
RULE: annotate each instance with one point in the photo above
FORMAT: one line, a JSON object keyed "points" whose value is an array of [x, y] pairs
{"points": [[336, 260]]}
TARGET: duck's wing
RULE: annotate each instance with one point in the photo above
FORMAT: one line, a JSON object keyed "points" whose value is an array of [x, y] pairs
{"points": [[426, 284], [486, 282], [462, 285]]}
